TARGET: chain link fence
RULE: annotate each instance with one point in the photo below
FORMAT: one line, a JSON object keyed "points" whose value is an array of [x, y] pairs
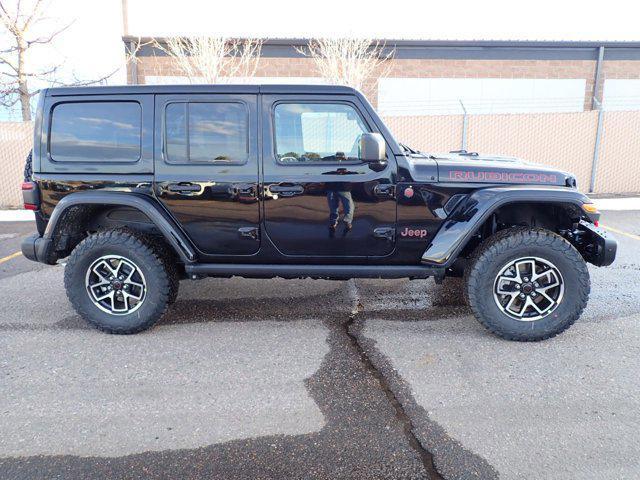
{"points": [[16, 139], [607, 163]]}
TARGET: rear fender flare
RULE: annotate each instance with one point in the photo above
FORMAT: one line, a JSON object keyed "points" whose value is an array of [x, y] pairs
{"points": [[475, 209], [145, 204]]}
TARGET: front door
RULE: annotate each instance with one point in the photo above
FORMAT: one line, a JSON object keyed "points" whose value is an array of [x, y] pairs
{"points": [[206, 169], [320, 200]]}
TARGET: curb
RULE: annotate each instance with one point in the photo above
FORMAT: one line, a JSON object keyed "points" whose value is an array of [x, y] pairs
{"points": [[17, 216]]}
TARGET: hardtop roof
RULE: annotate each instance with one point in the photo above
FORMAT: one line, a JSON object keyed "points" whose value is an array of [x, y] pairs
{"points": [[218, 88]]}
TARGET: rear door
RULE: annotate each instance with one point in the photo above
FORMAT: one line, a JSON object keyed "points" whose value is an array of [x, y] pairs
{"points": [[320, 200], [206, 169]]}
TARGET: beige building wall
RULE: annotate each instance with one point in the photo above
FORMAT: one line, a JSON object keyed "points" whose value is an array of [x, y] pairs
{"points": [[431, 68]]}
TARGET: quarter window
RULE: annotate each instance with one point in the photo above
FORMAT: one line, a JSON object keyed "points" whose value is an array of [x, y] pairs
{"points": [[201, 132], [96, 132], [317, 132]]}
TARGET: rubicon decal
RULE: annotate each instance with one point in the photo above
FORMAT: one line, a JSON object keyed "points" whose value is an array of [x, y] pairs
{"points": [[503, 177], [415, 233]]}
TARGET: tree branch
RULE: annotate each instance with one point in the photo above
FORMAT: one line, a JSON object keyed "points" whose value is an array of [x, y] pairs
{"points": [[48, 39]]}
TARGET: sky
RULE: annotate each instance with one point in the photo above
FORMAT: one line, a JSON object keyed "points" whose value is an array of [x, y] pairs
{"points": [[422, 19], [92, 46]]}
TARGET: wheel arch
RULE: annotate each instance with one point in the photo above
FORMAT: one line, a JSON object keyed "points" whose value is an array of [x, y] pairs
{"points": [[78, 212], [546, 207]]}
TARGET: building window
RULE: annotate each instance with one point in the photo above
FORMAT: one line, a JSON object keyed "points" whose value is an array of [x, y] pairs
{"points": [[621, 94], [446, 96], [205, 132], [96, 132], [317, 132]]}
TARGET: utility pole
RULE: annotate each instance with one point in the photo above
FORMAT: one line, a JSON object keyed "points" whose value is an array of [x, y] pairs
{"points": [[125, 18]]}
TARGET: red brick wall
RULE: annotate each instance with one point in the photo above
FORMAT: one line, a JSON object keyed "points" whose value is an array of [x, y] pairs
{"points": [[434, 68]]}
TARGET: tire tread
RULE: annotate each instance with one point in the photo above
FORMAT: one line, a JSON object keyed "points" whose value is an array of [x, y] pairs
{"points": [[133, 241], [509, 239]]}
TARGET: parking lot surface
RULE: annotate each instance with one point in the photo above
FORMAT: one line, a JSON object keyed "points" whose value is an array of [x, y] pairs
{"points": [[317, 379]]}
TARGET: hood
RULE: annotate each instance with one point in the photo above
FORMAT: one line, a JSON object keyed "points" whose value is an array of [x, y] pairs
{"points": [[463, 167]]}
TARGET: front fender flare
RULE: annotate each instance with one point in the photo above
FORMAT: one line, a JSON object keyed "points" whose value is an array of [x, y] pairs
{"points": [[143, 203], [471, 213]]}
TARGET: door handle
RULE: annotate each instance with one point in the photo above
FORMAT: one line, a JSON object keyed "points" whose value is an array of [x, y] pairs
{"points": [[183, 187], [286, 190]]}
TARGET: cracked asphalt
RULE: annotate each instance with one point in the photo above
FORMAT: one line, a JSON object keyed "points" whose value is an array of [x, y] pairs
{"points": [[273, 379]]}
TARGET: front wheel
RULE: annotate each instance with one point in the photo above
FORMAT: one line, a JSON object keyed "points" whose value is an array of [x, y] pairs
{"points": [[527, 284], [117, 282]]}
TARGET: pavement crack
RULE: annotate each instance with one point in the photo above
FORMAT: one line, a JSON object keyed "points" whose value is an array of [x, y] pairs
{"points": [[407, 425]]}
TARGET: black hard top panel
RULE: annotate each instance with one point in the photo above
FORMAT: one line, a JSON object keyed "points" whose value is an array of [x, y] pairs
{"points": [[178, 89]]}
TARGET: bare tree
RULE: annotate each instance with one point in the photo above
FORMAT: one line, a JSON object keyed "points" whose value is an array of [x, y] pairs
{"points": [[346, 61], [16, 73], [213, 59]]}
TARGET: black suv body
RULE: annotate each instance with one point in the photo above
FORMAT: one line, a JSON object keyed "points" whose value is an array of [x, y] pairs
{"points": [[291, 181]]}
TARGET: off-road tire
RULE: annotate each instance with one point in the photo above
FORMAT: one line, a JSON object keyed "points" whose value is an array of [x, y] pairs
{"points": [[28, 167], [168, 259], [513, 243], [131, 246]]}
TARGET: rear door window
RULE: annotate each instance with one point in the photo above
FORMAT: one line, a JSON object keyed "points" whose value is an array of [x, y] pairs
{"points": [[206, 132], [107, 132]]}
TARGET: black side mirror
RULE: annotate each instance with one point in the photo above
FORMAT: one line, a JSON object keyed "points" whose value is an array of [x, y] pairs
{"points": [[373, 150]]}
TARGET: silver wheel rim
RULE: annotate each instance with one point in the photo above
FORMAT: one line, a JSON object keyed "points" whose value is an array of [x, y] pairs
{"points": [[116, 285], [528, 289]]}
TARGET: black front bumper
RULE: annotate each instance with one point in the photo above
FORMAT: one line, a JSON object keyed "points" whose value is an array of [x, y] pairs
{"points": [[36, 248], [603, 245]]}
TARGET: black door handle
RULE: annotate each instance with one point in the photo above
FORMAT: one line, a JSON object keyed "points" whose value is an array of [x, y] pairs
{"points": [[183, 187], [286, 190]]}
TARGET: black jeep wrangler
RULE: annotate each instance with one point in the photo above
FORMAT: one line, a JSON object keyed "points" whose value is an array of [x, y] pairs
{"points": [[143, 186]]}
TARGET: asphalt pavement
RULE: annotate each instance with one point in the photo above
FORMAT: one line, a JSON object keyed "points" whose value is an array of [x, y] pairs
{"points": [[316, 379]]}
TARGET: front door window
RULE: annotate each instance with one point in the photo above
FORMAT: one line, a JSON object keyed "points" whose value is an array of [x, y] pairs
{"points": [[320, 132]]}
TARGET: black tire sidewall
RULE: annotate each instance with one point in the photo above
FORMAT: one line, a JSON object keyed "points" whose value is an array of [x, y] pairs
{"points": [[153, 305], [573, 301]]}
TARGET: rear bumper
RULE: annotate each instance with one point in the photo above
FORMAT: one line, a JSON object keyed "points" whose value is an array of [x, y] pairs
{"points": [[35, 247], [603, 245]]}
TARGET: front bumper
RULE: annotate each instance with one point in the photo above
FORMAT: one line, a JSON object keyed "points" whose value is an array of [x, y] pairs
{"points": [[602, 245], [36, 248]]}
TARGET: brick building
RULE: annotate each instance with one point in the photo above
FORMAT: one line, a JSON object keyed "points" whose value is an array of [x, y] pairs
{"points": [[438, 77]]}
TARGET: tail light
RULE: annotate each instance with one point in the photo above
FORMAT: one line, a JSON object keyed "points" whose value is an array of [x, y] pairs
{"points": [[30, 195]]}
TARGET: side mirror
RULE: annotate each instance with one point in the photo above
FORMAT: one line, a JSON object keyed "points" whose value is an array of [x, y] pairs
{"points": [[372, 148]]}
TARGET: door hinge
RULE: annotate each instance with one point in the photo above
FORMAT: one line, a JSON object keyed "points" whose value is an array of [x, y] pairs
{"points": [[249, 232], [387, 233]]}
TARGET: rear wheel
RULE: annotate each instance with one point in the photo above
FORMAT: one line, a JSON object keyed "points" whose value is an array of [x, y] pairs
{"points": [[527, 284], [117, 282]]}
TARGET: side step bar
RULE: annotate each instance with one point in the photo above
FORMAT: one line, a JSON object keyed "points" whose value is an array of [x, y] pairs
{"points": [[333, 272]]}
